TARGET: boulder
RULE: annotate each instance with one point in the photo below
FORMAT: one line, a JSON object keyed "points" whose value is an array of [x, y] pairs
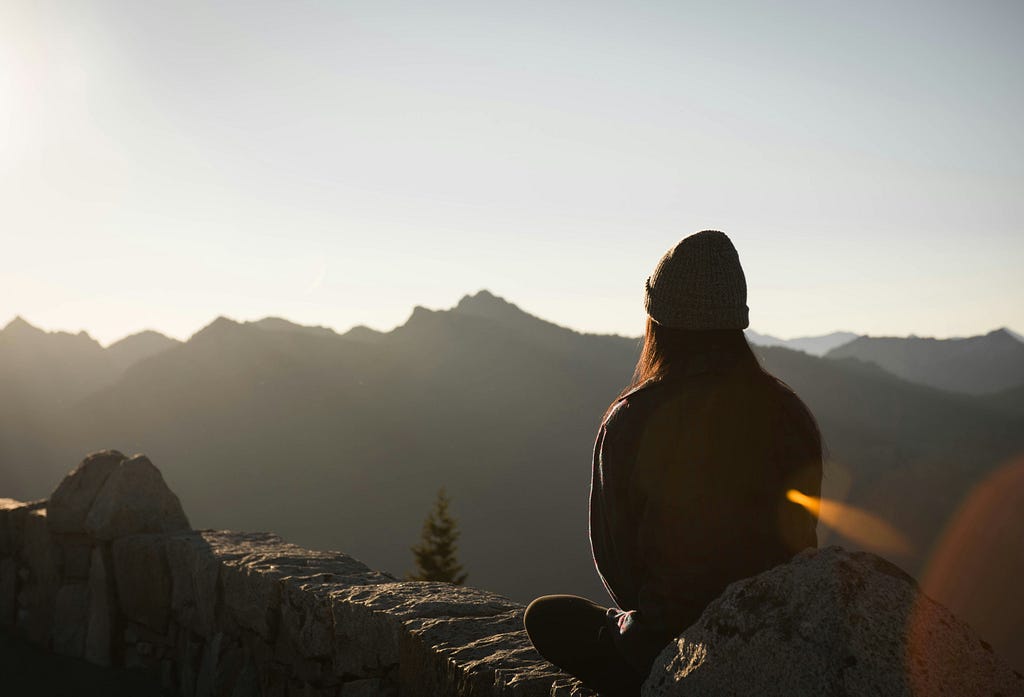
{"points": [[7, 532], [8, 591], [70, 619], [99, 633], [70, 503], [133, 500], [831, 622], [143, 580]]}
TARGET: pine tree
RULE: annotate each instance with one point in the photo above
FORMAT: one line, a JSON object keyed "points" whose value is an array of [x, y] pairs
{"points": [[435, 554]]}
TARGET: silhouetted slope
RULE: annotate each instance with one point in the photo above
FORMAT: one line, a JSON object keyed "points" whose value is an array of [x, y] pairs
{"points": [[1009, 401], [340, 443], [134, 348], [975, 365], [814, 345], [276, 324], [42, 374], [336, 442]]}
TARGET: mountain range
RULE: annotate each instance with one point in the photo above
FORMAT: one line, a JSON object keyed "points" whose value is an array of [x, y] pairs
{"points": [[342, 440], [973, 365], [814, 345]]}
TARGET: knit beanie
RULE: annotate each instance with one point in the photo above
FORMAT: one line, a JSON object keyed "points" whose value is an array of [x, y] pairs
{"points": [[699, 284]]}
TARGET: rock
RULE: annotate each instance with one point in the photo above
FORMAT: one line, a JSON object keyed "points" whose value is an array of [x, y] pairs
{"points": [[484, 655], [8, 592], [12, 524], [100, 632], [133, 500], [369, 619], [196, 560], [253, 587], [40, 590], [40, 551], [70, 619], [208, 666], [831, 622], [75, 555], [143, 580], [195, 568], [307, 620], [7, 535], [367, 687], [74, 496]]}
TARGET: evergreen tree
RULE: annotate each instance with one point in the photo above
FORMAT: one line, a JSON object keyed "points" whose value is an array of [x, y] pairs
{"points": [[435, 554]]}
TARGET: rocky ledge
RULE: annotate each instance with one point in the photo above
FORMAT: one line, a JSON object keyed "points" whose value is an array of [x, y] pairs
{"points": [[108, 569]]}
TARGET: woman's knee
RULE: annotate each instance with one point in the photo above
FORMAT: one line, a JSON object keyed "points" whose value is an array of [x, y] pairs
{"points": [[540, 611]]}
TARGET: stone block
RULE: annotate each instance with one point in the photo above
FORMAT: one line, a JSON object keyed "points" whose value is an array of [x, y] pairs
{"points": [[39, 589], [253, 583], [143, 579], [480, 655], [7, 535], [74, 496], [195, 568], [40, 551], [71, 619], [100, 633], [188, 656], [367, 687], [369, 620], [134, 500], [75, 555], [208, 664], [247, 681], [16, 516], [307, 623], [8, 591]]}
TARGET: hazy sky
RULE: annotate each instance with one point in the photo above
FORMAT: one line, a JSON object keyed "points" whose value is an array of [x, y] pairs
{"points": [[337, 163]]}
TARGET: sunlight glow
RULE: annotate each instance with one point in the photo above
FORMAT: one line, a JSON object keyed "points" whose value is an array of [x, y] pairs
{"points": [[866, 529]]}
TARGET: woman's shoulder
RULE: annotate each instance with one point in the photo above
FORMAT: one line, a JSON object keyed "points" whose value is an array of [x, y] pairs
{"points": [[634, 407]]}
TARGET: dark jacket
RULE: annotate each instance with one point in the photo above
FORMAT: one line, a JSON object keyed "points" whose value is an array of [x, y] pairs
{"points": [[688, 494]]}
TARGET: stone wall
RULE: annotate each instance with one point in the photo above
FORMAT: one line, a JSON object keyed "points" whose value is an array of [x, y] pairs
{"points": [[108, 569]]}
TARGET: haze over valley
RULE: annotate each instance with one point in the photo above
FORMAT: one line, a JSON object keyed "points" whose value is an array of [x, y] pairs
{"points": [[342, 440]]}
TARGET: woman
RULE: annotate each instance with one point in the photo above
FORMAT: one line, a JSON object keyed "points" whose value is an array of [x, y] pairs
{"points": [[691, 468]]}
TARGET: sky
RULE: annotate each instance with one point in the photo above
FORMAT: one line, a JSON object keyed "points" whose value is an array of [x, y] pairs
{"points": [[338, 163]]}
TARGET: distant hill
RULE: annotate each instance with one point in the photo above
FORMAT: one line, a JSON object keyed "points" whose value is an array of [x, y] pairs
{"points": [[1009, 401], [43, 375], [814, 345], [276, 324], [975, 365], [341, 441], [132, 349]]}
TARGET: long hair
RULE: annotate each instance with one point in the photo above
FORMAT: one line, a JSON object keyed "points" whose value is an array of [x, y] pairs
{"points": [[668, 351]]}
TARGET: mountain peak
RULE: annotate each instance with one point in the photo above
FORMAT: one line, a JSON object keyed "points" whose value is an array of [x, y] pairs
{"points": [[217, 327], [279, 324], [484, 303], [20, 326], [1003, 333]]}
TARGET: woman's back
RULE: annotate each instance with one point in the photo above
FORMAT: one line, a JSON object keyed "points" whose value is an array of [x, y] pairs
{"points": [[690, 482]]}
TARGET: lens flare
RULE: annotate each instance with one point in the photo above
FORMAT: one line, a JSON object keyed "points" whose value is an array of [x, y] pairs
{"points": [[866, 529], [977, 566]]}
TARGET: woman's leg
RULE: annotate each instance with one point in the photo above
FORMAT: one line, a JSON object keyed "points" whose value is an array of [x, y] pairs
{"points": [[570, 632]]}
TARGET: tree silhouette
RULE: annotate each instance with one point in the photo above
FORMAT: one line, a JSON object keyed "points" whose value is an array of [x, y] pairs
{"points": [[435, 554]]}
